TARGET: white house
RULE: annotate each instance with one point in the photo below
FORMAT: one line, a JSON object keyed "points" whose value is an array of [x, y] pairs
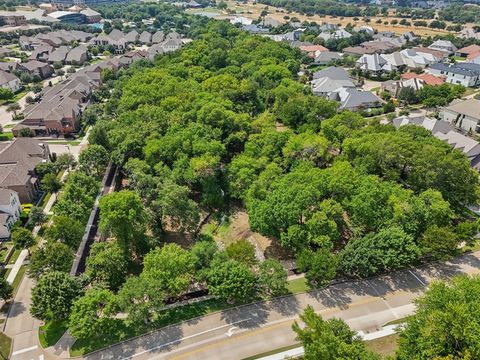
{"points": [[9, 81], [9, 212], [443, 45], [464, 114], [466, 74]]}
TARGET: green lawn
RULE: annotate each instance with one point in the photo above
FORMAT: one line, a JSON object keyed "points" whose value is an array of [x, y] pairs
{"points": [[6, 136], [64, 142], [119, 331], [5, 346], [297, 286], [273, 352], [385, 346], [50, 333], [18, 278], [399, 321], [15, 256]]}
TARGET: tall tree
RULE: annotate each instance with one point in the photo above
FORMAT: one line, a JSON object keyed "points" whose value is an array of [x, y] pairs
{"points": [[23, 239], [54, 256], [329, 339], [107, 265], [93, 160]]}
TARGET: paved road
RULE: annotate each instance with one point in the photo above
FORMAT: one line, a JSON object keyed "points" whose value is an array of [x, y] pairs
{"points": [[238, 333]]}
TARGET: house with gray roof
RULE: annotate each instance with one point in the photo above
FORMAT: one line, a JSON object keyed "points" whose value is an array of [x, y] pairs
{"points": [[18, 159], [255, 29], [353, 99], [466, 74], [77, 55], [132, 37], [332, 72], [145, 38], [9, 81], [374, 64], [330, 80], [443, 45], [326, 57], [58, 55], [158, 37], [335, 35], [35, 67], [464, 114]]}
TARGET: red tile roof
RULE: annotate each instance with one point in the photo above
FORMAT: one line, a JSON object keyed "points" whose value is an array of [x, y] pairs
{"points": [[428, 78], [469, 49]]}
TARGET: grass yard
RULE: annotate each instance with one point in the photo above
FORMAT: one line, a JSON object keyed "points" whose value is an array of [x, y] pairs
{"points": [[5, 346], [50, 333], [64, 142], [18, 278], [6, 136], [297, 286], [384, 346], [119, 331], [399, 321]]}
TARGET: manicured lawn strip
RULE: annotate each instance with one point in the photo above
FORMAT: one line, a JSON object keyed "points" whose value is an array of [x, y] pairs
{"points": [[399, 321], [120, 331], [6, 136], [273, 352], [72, 142], [5, 346], [15, 256], [18, 278], [50, 333], [297, 286], [384, 346]]}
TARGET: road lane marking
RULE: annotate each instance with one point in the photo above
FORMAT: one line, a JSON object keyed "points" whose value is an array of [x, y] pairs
{"points": [[18, 352], [182, 339], [230, 331]]}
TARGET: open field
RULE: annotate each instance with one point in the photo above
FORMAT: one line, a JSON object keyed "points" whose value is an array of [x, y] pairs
{"points": [[252, 11]]}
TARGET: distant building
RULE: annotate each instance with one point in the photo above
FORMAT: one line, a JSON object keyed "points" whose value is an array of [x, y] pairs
{"points": [[91, 16], [443, 45], [12, 18], [69, 17], [35, 67], [64, 4]]}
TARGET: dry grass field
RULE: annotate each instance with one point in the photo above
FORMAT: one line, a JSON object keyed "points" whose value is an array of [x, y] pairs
{"points": [[252, 11]]}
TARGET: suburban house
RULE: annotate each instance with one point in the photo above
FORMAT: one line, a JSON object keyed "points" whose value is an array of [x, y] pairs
{"points": [[145, 38], [116, 39], [132, 37], [419, 59], [354, 99], [374, 64], [468, 51], [312, 50], [326, 57], [18, 159], [158, 37], [4, 52], [9, 81], [77, 55], [58, 55], [35, 67], [10, 210], [466, 74], [335, 35], [445, 131], [330, 80], [464, 114], [443, 45], [428, 79], [255, 29], [395, 86]]}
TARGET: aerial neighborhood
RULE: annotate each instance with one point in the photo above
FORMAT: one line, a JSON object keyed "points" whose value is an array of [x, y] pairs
{"points": [[251, 179]]}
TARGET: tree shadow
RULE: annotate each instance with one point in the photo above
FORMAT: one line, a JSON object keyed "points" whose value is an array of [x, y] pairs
{"points": [[286, 306], [248, 316]]}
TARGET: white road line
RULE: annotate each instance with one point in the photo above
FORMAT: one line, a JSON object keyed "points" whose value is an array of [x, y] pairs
{"points": [[416, 277], [24, 350], [182, 339]]}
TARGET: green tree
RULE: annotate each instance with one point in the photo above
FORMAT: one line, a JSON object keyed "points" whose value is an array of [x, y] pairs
{"points": [[170, 267], [272, 278], [53, 296], [6, 290], [65, 230], [203, 253], [231, 281], [242, 251], [23, 239], [106, 264], [439, 242], [407, 95], [329, 339], [36, 215], [389, 249], [93, 160], [54, 256], [50, 183], [122, 215], [320, 267], [442, 327], [92, 315]]}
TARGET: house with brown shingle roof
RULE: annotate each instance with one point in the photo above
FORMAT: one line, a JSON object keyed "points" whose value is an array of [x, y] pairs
{"points": [[18, 159]]}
